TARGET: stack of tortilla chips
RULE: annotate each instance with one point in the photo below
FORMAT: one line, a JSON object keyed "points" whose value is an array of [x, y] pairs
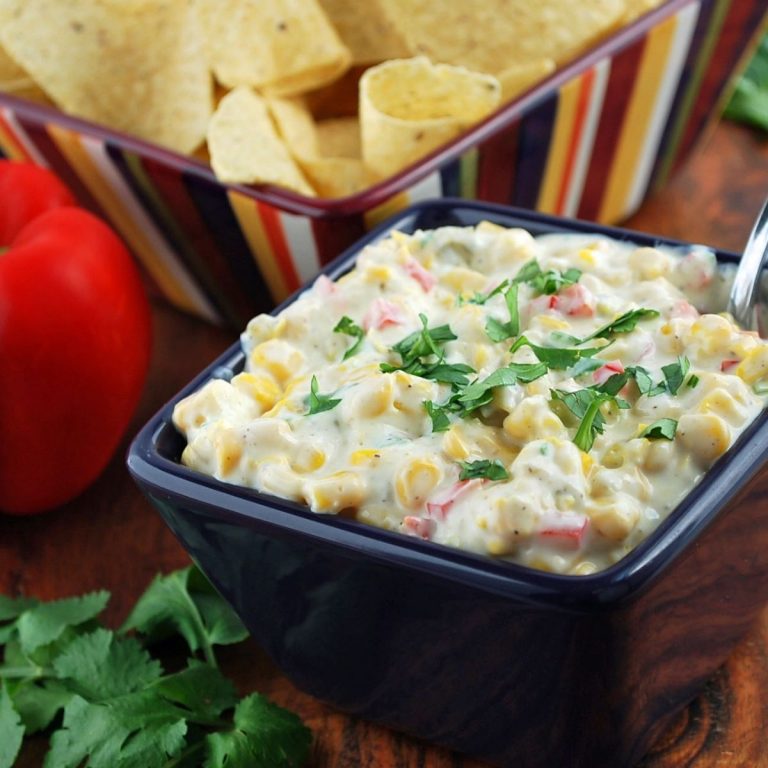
{"points": [[322, 97]]}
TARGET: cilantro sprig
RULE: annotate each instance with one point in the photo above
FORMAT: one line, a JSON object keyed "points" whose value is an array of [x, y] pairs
{"points": [[108, 703], [317, 402], [349, 327], [487, 469], [422, 354]]}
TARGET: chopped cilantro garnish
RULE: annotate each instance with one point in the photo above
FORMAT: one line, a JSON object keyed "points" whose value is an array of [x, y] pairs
{"points": [[487, 469], [317, 402], [439, 416], [693, 381], [675, 373], [557, 358], [662, 429], [480, 392], [348, 326], [551, 281], [481, 298], [498, 331], [622, 324]]}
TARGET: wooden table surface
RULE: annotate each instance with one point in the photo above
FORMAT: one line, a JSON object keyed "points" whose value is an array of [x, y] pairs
{"points": [[111, 538]]}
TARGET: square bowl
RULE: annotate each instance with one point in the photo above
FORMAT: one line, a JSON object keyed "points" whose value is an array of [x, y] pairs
{"points": [[589, 141], [502, 662]]}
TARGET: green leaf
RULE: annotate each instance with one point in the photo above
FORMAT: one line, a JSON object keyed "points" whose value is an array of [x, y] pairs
{"points": [[348, 326], [498, 331], [556, 358], [101, 665], [675, 373], [483, 468], [45, 622], [12, 607], [622, 324], [317, 402], [200, 688], [38, 704], [11, 729], [439, 416], [661, 429], [222, 624], [482, 298], [480, 392], [264, 736], [424, 343], [749, 101]]}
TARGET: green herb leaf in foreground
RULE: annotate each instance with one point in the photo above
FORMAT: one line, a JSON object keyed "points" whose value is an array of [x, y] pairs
{"points": [[662, 429], [749, 102], [111, 704]]}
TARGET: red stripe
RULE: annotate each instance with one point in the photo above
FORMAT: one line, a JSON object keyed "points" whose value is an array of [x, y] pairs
{"points": [[585, 92], [199, 250], [274, 231], [37, 134], [11, 134], [496, 166], [618, 94], [334, 235]]}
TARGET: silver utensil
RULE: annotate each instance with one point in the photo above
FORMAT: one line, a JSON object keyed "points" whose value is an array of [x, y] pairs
{"points": [[744, 300]]}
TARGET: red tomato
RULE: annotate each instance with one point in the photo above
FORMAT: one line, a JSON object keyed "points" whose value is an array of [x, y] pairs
{"points": [[26, 191], [74, 351]]}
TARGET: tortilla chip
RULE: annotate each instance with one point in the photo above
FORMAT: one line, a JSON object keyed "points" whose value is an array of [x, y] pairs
{"points": [[282, 46], [134, 65], [520, 77], [245, 147], [365, 30], [493, 35], [333, 169], [408, 107]]}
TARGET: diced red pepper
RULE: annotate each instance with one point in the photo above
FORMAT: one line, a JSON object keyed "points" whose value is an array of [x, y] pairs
{"points": [[604, 372], [576, 300], [684, 308], [325, 286], [418, 526], [382, 313], [424, 278], [567, 529], [729, 363], [440, 503]]}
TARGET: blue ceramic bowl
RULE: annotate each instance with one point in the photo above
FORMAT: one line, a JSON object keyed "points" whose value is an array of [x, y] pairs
{"points": [[511, 665]]}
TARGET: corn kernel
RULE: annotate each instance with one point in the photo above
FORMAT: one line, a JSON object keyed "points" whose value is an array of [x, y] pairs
{"points": [[553, 322], [364, 456], [280, 358], [337, 492], [705, 435], [587, 255], [463, 280], [261, 388], [454, 446], [308, 459], [614, 520], [754, 366], [416, 481], [378, 273]]}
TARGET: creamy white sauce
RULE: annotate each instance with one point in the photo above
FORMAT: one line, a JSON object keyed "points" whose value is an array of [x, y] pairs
{"points": [[562, 495]]}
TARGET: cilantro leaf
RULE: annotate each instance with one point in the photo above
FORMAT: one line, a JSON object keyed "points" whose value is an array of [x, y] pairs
{"points": [[498, 331], [557, 358], [348, 326], [424, 343], [100, 665], [675, 373], [200, 688], [488, 469], [590, 425], [482, 298], [177, 602], [264, 736], [622, 324], [39, 703], [661, 429], [480, 392], [45, 622], [551, 281], [317, 402], [439, 416], [11, 729]]}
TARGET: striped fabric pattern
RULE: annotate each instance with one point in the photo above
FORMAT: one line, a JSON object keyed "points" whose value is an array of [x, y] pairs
{"points": [[611, 128]]}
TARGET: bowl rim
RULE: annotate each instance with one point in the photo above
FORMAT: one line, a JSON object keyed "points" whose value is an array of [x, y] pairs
{"points": [[623, 581], [374, 195]]}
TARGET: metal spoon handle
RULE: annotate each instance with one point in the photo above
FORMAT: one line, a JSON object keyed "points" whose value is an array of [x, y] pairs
{"points": [[745, 291]]}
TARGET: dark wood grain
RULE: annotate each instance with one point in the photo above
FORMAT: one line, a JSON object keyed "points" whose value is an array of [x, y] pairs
{"points": [[111, 538]]}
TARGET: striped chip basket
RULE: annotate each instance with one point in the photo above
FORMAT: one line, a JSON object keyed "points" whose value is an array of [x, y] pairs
{"points": [[591, 141]]}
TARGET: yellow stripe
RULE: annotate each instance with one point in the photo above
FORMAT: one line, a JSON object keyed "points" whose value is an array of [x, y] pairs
{"points": [[386, 209], [567, 103], [637, 119], [247, 215], [69, 144], [9, 146]]}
